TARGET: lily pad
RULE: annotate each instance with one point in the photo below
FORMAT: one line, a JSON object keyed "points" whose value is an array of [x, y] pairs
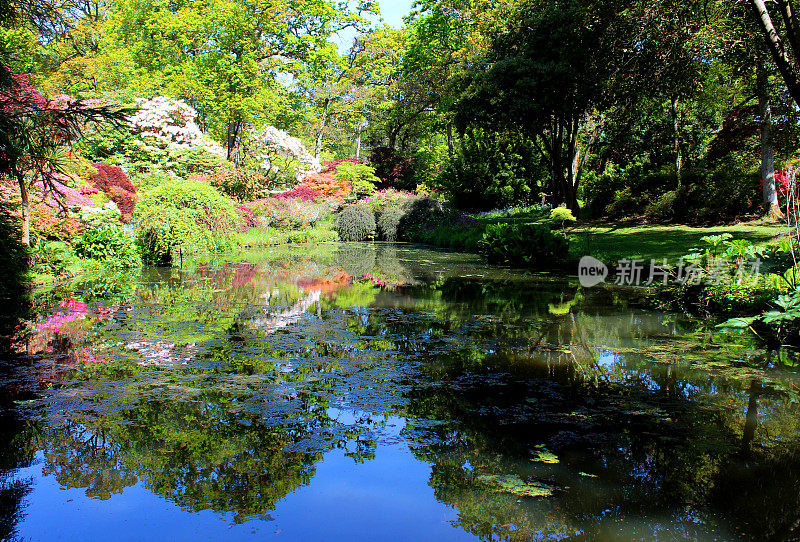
{"points": [[511, 483]]}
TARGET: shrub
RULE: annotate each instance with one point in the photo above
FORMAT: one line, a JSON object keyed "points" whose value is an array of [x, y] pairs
{"points": [[300, 192], [191, 217], [492, 170], [114, 182], [47, 223], [287, 213], [195, 160], [109, 245], [326, 184], [663, 208], [388, 223], [532, 245], [355, 223], [562, 215], [247, 217], [383, 199], [420, 213], [360, 177], [240, 183], [394, 170], [333, 166]]}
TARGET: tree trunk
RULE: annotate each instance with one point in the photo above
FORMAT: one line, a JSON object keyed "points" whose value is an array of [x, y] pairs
{"points": [[450, 140], [779, 52], [26, 211], [768, 189], [358, 141], [233, 134], [677, 135], [323, 121]]}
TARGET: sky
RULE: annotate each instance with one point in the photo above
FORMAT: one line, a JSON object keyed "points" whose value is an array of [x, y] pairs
{"points": [[392, 12]]}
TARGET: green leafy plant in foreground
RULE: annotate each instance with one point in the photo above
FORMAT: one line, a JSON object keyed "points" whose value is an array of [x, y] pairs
{"points": [[109, 245]]}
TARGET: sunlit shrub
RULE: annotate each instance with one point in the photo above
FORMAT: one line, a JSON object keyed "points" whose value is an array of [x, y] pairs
{"points": [[241, 184], [287, 213], [109, 245], [326, 184], [300, 192], [360, 177], [382, 199], [190, 217], [355, 223]]}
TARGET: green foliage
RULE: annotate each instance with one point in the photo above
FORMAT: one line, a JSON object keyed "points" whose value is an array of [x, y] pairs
{"points": [[240, 183], [532, 245], [491, 170], [109, 245], [190, 217], [562, 215], [195, 160], [388, 223], [355, 223], [50, 257], [361, 177]]}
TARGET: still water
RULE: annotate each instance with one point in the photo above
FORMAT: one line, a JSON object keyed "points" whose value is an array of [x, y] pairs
{"points": [[362, 392]]}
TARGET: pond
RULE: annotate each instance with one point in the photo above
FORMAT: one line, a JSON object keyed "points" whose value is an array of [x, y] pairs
{"points": [[388, 392]]}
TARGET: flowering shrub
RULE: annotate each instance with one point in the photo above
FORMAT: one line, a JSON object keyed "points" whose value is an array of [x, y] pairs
{"points": [[60, 196], [326, 184], [294, 214], [114, 182], [275, 150], [300, 192], [172, 121], [49, 224], [248, 217]]}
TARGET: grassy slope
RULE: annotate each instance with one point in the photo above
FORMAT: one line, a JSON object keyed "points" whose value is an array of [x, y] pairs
{"points": [[610, 242]]}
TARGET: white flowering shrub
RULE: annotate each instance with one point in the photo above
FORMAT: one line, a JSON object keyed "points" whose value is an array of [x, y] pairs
{"points": [[172, 121], [278, 154]]}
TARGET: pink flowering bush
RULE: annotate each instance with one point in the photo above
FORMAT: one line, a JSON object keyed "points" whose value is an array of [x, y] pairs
{"points": [[291, 213]]}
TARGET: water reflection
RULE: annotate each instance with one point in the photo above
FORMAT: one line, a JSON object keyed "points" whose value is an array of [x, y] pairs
{"points": [[543, 411]]}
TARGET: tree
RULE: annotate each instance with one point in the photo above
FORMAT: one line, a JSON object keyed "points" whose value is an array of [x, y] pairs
{"points": [[224, 57], [786, 58], [35, 134]]}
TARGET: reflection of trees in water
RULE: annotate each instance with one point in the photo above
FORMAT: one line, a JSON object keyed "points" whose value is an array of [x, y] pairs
{"points": [[17, 450], [485, 372]]}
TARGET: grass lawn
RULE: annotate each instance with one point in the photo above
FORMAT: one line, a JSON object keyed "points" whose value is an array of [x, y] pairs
{"points": [[611, 242]]}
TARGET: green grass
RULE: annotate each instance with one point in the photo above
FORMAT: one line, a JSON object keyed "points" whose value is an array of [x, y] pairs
{"points": [[613, 242]]}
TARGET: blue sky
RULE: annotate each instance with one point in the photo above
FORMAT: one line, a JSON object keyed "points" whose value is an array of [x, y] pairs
{"points": [[393, 11]]}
